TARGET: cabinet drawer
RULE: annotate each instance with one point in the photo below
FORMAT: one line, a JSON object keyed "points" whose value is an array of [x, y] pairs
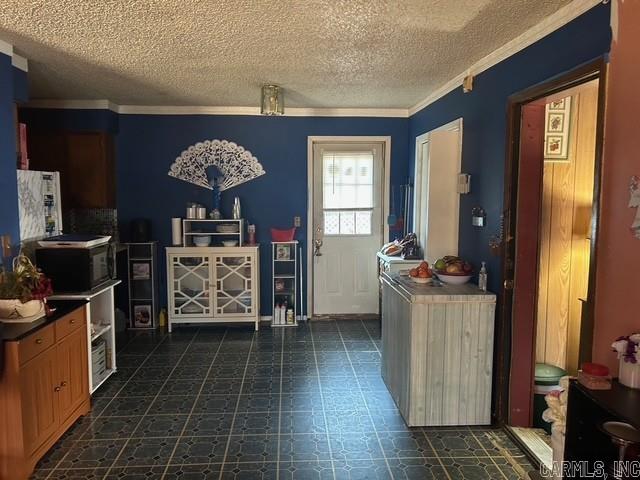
{"points": [[69, 323], [36, 343]]}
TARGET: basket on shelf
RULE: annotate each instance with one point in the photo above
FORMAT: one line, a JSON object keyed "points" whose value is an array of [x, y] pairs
{"points": [[278, 235]]}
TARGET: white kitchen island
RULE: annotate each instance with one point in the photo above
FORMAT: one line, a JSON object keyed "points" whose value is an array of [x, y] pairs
{"points": [[437, 351]]}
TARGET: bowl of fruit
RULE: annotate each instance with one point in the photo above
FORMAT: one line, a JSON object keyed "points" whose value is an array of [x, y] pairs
{"points": [[421, 274], [453, 270]]}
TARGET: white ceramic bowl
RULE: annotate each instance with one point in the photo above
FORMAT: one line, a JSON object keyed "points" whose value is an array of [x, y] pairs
{"points": [[454, 279], [230, 243], [423, 281], [202, 240]]}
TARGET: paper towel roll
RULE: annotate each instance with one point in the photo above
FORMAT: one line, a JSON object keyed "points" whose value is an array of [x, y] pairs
{"points": [[176, 231]]}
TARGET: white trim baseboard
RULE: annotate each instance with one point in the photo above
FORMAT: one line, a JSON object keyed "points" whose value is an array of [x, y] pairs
{"points": [[549, 25]]}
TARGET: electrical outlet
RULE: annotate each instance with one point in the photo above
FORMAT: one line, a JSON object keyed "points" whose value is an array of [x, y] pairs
{"points": [[297, 222]]}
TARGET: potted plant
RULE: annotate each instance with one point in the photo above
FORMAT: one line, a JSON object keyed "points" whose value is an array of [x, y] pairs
{"points": [[23, 291], [628, 349]]}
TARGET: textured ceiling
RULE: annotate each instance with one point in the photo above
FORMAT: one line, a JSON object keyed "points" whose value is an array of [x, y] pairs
{"points": [[324, 53]]}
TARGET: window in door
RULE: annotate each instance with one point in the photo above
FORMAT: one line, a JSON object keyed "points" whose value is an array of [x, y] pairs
{"points": [[348, 183]]}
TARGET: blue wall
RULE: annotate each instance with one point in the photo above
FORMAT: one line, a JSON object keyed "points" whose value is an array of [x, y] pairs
{"points": [[484, 113], [148, 145], [13, 87]]}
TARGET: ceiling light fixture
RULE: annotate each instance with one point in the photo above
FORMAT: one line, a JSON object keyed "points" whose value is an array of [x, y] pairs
{"points": [[272, 100]]}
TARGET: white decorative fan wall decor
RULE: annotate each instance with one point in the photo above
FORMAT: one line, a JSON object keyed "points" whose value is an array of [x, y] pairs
{"points": [[235, 164]]}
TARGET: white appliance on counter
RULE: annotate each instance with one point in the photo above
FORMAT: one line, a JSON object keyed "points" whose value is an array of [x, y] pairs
{"points": [[39, 204]]}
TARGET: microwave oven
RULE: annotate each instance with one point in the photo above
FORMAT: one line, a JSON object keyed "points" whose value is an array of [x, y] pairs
{"points": [[77, 269]]}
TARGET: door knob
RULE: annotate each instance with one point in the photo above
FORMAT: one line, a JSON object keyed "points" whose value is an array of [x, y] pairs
{"points": [[508, 284], [317, 244]]}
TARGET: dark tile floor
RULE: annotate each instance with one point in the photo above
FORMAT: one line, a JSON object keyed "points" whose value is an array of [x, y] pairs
{"points": [[227, 403]]}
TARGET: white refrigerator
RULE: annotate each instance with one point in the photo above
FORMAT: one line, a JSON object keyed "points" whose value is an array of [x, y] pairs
{"points": [[39, 204]]}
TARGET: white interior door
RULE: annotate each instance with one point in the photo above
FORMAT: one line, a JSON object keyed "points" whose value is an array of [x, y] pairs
{"points": [[347, 227]]}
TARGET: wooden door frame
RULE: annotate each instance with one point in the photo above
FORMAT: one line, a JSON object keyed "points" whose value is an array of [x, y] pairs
{"points": [[506, 344], [386, 185]]}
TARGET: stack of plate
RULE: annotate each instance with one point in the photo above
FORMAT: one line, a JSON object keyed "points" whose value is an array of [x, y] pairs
{"points": [[227, 228]]}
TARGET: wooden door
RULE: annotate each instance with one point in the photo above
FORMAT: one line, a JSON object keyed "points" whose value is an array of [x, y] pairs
{"points": [[90, 165], [525, 279], [40, 414], [72, 372], [86, 164]]}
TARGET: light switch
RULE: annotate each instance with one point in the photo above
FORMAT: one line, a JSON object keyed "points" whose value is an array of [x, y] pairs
{"points": [[297, 222]]}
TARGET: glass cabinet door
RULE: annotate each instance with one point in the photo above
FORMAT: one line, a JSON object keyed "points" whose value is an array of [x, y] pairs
{"points": [[191, 285], [233, 293]]}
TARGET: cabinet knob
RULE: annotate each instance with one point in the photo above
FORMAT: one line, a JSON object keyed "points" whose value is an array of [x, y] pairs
{"points": [[72, 322], [57, 389], [63, 383], [38, 341]]}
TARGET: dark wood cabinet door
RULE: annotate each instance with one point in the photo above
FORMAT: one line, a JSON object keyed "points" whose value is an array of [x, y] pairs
{"points": [[72, 372], [40, 414], [86, 164]]}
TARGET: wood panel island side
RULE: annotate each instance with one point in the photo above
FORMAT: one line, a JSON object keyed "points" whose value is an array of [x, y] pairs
{"points": [[437, 351]]}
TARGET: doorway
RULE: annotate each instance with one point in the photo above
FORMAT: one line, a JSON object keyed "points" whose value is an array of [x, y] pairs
{"points": [[348, 181], [437, 166], [550, 229]]}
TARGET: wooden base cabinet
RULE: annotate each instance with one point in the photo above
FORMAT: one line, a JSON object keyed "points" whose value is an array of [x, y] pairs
{"points": [[44, 389], [213, 285], [437, 351]]}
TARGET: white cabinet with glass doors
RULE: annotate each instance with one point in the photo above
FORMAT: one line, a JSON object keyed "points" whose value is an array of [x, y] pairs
{"points": [[213, 285]]}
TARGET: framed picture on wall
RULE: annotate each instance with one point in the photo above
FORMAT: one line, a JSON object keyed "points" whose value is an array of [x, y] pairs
{"points": [[557, 129]]}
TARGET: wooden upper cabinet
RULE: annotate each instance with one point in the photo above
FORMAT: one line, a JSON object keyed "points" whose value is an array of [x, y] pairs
{"points": [[86, 164], [40, 413]]}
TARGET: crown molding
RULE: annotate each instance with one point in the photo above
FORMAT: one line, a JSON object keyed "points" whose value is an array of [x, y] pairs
{"points": [[185, 110], [74, 104], [202, 110], [550, 24], [20, 62], [6, 48], [17, 61]]}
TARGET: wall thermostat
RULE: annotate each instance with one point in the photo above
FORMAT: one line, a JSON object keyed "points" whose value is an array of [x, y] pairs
{"points": [[478, 217]]}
